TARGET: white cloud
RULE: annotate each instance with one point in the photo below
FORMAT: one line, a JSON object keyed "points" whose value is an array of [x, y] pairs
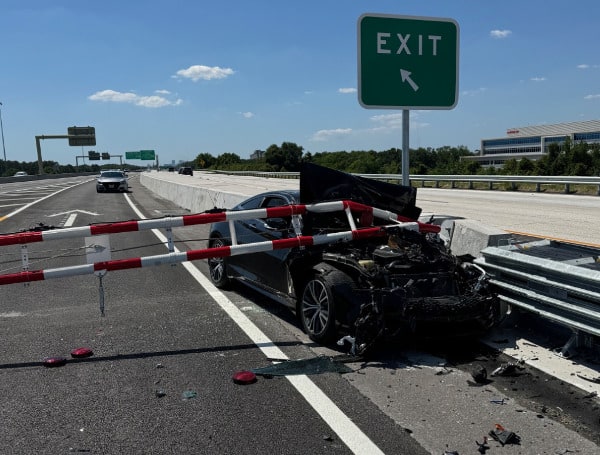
{"points": [[388, 120], [129, 97], [197, 72], [591, 97], [500, 34], [474, 92], [538, 79], [347, 90], [162, 92], [247, 114], [583, 67], [324, 135]]}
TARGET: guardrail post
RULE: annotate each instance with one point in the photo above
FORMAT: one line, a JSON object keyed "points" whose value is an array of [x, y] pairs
{"points": [[470, 184], [453, 184], [598, 192], [567, 188], [491, 185], [537, 187]]}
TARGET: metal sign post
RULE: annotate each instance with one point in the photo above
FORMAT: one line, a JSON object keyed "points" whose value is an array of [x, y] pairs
{"points": [[407, 62]]}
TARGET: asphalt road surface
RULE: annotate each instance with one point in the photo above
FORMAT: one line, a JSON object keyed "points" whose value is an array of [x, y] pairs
{"points": [[160, 379]]}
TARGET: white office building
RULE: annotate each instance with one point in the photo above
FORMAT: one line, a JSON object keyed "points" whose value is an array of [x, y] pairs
{"points": [[532, 142]]}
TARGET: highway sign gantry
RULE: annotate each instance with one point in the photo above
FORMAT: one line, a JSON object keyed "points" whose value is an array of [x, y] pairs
{"points": [[407, 62]]}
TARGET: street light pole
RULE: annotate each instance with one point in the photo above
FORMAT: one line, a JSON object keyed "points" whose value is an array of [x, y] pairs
{"points": [[2, 130]]}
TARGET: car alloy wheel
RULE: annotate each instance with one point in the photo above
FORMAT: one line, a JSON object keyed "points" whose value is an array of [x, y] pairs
{"points": [[317, 310], [216, 266]]}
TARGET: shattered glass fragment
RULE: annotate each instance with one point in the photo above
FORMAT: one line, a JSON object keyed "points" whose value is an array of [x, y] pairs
{"points": [[315, 365]]}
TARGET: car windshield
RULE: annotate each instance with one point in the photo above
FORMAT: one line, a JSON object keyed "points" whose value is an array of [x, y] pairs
{"points": [[112, 174]]}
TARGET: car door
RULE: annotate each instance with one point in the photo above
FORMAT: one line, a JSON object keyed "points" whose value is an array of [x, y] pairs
{"points": [[267, 268]]}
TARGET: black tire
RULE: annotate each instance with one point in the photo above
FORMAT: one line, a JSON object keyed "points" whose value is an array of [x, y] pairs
{"points": [[216, 266], [317, 306]]}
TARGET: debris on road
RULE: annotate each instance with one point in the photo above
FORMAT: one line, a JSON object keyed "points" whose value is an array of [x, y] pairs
{"points": [[244, 377], [504, 436], [594, 380], [507, 369], [479, 374], [188, 394], [52, 362], [315, 365], [483, 447], [80, 353]]}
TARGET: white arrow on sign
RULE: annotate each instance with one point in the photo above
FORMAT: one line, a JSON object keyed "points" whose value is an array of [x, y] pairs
{"points": [[73, 211], [405, 75]]}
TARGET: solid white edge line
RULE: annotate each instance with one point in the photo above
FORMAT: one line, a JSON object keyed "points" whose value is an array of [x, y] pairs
{"points": [[348, 431]]}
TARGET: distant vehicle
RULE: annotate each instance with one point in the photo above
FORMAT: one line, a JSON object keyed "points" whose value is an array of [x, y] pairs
{"points": [[186, 171], [21, 174], [112, 181], [171, 169]]}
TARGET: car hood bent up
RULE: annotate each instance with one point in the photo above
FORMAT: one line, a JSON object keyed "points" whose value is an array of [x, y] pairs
{"points": [[320, 184]]}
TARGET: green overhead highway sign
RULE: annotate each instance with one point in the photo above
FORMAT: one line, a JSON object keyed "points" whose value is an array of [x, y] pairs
{"points": [[140, 155], [407, 62], [147, 154]]}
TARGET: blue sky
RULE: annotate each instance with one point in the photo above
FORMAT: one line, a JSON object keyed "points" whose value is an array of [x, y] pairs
{"points": [[189, 77]]}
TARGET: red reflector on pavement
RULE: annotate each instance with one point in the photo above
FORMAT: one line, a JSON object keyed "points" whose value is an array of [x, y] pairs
{"points": [[52, 362], [244, 377], [81, 352]]}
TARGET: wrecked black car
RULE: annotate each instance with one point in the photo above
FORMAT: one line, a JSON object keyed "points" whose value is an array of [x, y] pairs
{"points": [[401, 278]]}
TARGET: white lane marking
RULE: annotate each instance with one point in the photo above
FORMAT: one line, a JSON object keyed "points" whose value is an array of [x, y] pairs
{"points": [[348, 431], [71, 220], [73, 211], [26, 206]]}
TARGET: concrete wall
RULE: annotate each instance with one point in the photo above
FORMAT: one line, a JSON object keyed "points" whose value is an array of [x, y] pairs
{"points": [[194, 197]]}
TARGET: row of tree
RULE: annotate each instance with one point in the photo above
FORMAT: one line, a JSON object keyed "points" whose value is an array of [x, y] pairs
{"points": [[572, 159], [9, 168]]}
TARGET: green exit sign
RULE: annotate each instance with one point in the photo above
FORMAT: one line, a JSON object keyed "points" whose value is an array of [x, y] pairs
{"points": [[147, 154], [407, 62]]}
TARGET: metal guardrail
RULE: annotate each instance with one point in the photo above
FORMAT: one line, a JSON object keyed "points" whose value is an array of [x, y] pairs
{"points": [[557, 281], [566, 180]]}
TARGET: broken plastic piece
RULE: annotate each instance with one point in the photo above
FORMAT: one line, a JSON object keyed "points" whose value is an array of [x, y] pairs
{"points": [[160, 393], [503, 436], [244, 377], [51, 362], [508, 369], [188, 394], [479, 375], [315, 365], [81, 353], [483, 447]]}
